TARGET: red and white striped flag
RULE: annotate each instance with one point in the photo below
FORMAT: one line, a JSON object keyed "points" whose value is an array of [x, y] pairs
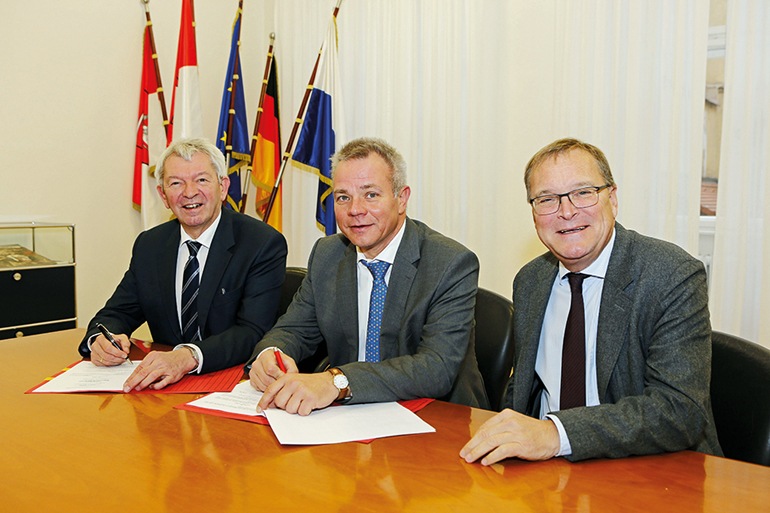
{"points": [[150, 141], [185, 117]]}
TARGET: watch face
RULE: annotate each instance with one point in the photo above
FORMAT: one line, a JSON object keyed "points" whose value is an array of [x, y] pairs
{"points": [[340, 381]]}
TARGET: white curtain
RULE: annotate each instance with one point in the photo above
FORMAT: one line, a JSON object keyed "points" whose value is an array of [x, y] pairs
{"points": [[630, 79], [449, 85], [740, 287], [469, 90]]}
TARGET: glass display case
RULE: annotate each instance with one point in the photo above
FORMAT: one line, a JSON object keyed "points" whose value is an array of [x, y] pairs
{"points": [[37, 278]]}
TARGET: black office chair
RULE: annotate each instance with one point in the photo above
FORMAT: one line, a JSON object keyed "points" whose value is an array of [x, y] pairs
{"points": [[291, 284], [494, 343], [740, 397]]}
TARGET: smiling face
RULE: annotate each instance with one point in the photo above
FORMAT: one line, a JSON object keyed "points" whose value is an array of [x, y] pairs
{"points": [[192, 191], [367, 211], [576, 236]]}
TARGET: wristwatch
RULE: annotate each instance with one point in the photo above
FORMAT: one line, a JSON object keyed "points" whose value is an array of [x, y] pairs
{"points": [[194, 355], [341, 382]]}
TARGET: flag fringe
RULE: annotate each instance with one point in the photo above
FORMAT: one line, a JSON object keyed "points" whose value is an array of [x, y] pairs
{"points": [[312, 170]]}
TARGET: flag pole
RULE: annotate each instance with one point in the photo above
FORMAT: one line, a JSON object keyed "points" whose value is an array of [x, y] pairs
{"points": [[233, 83], [250, 169], [161, 97], [297, 123]]}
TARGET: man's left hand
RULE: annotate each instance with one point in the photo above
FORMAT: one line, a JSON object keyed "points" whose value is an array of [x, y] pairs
{"points": [[159, 369], [510, 434], [300, 393]]}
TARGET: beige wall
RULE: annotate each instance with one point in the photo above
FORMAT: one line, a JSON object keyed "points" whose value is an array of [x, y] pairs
{"points": [[69, 92]]}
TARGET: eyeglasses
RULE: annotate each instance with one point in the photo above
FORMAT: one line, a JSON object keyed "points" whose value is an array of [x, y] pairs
{"points": [[580, 198]]}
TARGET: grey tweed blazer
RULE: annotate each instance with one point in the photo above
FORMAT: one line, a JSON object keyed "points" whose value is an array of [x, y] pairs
{"points": [[653, 352]]}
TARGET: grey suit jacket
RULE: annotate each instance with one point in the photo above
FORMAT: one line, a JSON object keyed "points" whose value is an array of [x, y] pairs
{"points": [[426, 344], [237, 300], [653, 352]]}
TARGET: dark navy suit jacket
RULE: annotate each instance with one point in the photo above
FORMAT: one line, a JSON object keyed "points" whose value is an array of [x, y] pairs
{"points": [[238, 296]]}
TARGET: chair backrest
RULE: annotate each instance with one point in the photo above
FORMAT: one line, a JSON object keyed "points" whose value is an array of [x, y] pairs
{"points": [[740, 397], [494, 343], [291, 284]]}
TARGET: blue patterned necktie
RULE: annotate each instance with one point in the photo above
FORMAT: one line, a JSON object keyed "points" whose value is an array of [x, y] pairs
{"points": [[573, 358], [376, 303], [191, 332]]}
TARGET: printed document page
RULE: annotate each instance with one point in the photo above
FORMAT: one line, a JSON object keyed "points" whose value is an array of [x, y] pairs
{"points": [[84, 376], [87, 377], [351, 423], [242, 400]]}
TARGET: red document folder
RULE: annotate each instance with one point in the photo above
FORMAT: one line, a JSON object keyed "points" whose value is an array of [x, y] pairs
{"points": [[219, 381]]}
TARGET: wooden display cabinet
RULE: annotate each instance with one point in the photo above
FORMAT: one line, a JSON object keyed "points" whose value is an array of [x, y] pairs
{"points": [[37, 278]]}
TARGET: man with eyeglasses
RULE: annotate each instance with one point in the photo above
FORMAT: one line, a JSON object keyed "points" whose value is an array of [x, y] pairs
{"points": [[611, 328]]}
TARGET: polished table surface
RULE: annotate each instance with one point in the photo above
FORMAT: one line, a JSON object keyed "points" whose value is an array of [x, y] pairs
{"points": [[115, 452]]}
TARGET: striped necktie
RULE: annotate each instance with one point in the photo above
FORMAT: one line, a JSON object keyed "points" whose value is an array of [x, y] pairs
{"points": [[191, 332]]}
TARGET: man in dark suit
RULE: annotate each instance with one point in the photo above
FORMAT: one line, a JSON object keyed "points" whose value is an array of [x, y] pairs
{"points": [[611, 328], [425, 289], [217, 272]]}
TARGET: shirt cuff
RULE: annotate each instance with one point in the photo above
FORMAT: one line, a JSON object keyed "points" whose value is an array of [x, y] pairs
{"points": [[565, 449], [195, 349], [271, 348], [90, 340]]}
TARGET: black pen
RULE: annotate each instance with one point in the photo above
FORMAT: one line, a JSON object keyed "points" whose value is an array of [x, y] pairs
{"points": [[112, 340]]}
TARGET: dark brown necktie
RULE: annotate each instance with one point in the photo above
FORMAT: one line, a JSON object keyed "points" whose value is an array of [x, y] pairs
{"points": [[573, 355]]}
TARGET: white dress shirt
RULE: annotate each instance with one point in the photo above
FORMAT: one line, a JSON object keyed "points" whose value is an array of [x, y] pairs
{"points": [[183, 253], [366, 282], [549, 351]]}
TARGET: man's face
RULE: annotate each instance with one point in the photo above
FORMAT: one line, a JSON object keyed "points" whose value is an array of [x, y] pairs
{"points": [[193, 193], [576, 236], [367, 212]]}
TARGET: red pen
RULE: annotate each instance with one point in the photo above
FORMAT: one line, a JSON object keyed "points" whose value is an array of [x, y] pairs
{"points": [[279, 360]]}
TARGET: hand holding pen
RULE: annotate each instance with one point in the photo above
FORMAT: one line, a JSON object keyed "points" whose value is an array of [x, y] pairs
{"points": [[109, 336], [279, 360]]}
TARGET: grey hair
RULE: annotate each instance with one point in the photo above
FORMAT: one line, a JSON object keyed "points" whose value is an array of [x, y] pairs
{"points": [[362, 147], [560, 147], [187, 149]]}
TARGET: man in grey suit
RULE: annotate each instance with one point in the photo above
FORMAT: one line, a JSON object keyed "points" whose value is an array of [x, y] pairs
{"points": [[611, 328], [425, 290]]}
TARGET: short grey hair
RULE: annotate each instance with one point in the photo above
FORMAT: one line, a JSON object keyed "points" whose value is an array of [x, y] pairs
{"points": [[362, 147], [563, 146], [187, 149]]}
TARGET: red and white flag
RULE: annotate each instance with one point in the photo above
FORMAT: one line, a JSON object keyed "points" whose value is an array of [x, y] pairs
{"points": [[185, 117], [150, 142]]}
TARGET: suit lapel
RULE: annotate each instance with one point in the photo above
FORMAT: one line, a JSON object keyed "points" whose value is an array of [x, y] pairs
{"points": [[532, 317], [401, 279], [216, 263], [166, 278], [347, 299], [614, 310]]}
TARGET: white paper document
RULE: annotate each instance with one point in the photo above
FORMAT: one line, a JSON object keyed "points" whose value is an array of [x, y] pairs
{"points": [[242, 400], [339, 424], [87, 377]]}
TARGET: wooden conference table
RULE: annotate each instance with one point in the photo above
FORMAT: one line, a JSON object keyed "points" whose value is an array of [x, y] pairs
{"points": [[115, 452]]}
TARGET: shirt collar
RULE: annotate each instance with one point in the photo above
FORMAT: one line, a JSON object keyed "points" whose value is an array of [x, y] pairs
{"points": [[206, 237], [389, 253], [598, 267]]}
